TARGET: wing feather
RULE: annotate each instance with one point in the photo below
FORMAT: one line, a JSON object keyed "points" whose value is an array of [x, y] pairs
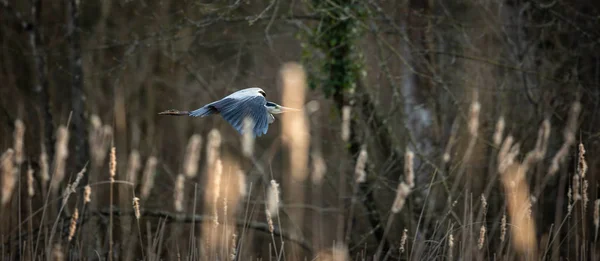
{"points": [[235, 109]]}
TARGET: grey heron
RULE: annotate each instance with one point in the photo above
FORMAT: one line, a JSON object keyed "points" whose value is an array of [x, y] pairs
{"points": [[234, 108]]}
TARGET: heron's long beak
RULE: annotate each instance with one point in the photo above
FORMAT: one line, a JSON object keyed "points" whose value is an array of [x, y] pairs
{"points": [[287, 109]]}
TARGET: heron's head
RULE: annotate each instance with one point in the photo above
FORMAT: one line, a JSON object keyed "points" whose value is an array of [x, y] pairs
{"points": [[275, 108]]}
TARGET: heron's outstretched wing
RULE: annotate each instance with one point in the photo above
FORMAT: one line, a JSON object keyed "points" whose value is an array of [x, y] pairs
{"points": [[235, 109]]}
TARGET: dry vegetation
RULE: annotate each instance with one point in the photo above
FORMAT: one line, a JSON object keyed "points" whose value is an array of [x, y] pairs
{"points": [[431, 130]]}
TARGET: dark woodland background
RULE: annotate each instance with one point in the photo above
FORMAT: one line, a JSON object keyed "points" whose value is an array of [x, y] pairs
{"points": [[433, 77]]}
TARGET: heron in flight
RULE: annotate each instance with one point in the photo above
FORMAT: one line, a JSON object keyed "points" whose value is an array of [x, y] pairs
{"points": [[234, 108]]}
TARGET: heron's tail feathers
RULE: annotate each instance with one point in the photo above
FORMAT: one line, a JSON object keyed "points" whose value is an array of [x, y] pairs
{"points": [[204, 111]]}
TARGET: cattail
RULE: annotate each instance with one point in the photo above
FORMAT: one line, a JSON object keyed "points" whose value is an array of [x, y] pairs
{"points": [[9, 175], [136, 207], [570, 201], [248, 137], [346, 114], [360, 174], [87, 194], [319, 167], [113, 164], [484, 204], [401, 194], [481, 237], [576, 188], [450, 246], [148, 179], [18, 136], [212, 147], [499, 131], [269, 221], [192, 156], [73, 225], [451, 141], [582, 166], [242, 187], [218, 171], [57, 253], [233, 254], [503, 228], [474, 117], [133, 166], [179, 192], [30, 180], [273, 198], [99, 139], [409, 173], [403, 240], [44, 169], [60, 157]]}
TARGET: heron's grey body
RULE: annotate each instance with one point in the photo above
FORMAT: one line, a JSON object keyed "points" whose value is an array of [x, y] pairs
{"points": [[235, 107]]}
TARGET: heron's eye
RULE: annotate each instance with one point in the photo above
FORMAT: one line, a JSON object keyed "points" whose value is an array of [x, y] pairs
{"points": [[263, 93]]}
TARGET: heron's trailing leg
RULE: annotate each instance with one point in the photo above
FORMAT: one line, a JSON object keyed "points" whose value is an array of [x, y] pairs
{"points": [[174, 112]]}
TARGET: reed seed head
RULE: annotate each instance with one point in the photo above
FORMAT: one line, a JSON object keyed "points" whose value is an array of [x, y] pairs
{"points": [[273, 198], [474, 118], [179, 192], [481, 240], [44, 169], [136, 207], [113, 164], [87, 194], [346, 114], [409, 172], [582, 166], [133, 166], [73, 225], [18, 136], [192, 156], [148, 179], [9, 175], [360, 174], [499, 132], [319, 167], [30, 181], [403, 240], [60, 157], [401, 194]]}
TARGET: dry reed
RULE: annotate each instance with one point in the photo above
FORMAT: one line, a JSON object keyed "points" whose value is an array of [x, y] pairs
{"points": [[87, 194], [133, 166], [9, 175], [73, 224], [179, 192], [403, 240], [18, 138], [99, 139], [499, 132], [517, 197], [346, 114], [409, 172], [148, 179], [112, 164], [503, 228], [60, 157], [450, 246], [30, 181], [44, 169], [360, 175], [136, 207], [273, 198], [192, 156], [217, 176], [319, 167]]}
